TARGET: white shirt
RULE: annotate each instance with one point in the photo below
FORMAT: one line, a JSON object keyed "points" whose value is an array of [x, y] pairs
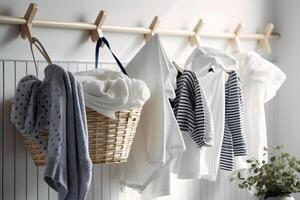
{"points": [[191, 163], [204, 162], [260, 81], [158, 139]]}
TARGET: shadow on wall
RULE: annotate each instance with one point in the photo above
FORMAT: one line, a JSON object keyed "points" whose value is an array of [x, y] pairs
{"points": [[13, 31]]}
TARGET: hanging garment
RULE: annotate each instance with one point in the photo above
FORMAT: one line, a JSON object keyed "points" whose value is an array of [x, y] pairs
{"points": [[158, 139], [209, 121], [160, 184], [107, 91], [190, 164], [189, 110], [260, 81], [207, 160], [234, 143], [189, 97], [56, 104], [195, 163]]}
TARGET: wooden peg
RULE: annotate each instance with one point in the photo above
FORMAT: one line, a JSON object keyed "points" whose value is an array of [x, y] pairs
{"points": [[236, 40], [26, 29], [195, 40], [153, 27], [264, 42], [95, 34]]}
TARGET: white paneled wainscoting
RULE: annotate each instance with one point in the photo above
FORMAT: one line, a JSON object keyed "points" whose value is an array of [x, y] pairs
{"points": [[22, 180]]}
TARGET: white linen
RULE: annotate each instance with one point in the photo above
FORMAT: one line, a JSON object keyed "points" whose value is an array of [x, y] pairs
{"points": [[107, 91], [204, 163], [158, 139], [209, 121], [190, 164], [260, 81]]}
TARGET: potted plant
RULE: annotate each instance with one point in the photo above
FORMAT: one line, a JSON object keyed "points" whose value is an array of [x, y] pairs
{"points": [[275, 179]]}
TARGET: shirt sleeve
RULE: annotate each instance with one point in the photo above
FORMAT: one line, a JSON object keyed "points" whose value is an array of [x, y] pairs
{"points": [[199, 130], [236, 117], [273, 78], [183, 105], [188, 107]]}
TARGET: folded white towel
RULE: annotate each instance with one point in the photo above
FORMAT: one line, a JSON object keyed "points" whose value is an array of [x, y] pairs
{"points": [[107, 91]]}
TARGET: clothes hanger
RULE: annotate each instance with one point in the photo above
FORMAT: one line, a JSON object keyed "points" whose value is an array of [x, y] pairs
{"points": [[26, 33]]}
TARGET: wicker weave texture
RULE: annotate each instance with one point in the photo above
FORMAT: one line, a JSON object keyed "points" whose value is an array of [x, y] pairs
{"points": [[39, 156], [109, 139]]}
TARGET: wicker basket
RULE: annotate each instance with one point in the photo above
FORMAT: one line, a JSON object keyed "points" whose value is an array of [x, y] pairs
{"points": [[109, 139], [39, 156]]}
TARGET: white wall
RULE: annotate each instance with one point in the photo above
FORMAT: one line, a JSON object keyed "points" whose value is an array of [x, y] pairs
{"points": [[287, 56], [76, 45], [20, 178]]}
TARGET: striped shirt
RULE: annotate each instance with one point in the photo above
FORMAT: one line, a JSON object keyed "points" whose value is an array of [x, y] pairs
{"points": [[234, 135], [188, 107]]}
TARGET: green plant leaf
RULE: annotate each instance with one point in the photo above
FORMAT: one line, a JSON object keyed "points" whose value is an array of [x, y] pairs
{"points": [[241, 186], [278, 177], [273, 159], [265, 149]]}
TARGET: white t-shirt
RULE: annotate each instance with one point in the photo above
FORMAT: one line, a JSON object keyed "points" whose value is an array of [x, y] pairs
{"points": [[260, 81], [158, 139], [204, 162], [191, 163]]}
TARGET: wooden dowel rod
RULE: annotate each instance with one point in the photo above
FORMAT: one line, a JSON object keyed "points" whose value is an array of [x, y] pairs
{"points": [[137, 30], [64, 25], [225, 35], [12, 20], [170, 32]]}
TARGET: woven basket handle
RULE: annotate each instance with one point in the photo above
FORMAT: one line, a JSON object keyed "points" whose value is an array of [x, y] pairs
{"points": [[104, 40]]}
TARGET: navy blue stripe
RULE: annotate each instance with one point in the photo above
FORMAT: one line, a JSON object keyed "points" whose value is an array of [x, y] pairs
{"points": [[188, 107], [234, 137]]}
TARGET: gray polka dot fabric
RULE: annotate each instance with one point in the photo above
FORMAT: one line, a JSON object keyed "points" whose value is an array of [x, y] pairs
{"points": [[31, 109], [56, 104]]}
